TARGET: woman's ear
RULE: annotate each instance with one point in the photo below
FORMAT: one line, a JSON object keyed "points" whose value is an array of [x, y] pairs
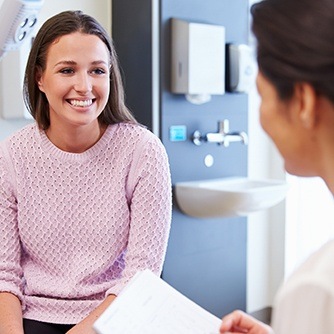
{"points": [[38, 78], [307, 98]]}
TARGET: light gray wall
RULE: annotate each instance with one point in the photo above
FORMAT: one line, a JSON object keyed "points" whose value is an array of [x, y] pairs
{"points": [[7, 127]]}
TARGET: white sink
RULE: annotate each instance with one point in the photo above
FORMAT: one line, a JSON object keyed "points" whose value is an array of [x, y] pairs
{"points": [[224, 197]]}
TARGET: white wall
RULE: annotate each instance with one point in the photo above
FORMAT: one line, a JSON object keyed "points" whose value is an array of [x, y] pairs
{"points": [[265, 248], [100, 9], [12, 65], [266, 229]]}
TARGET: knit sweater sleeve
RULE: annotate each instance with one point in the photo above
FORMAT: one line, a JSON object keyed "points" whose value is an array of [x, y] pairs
{"points": [[10, 269], [150, 199]]}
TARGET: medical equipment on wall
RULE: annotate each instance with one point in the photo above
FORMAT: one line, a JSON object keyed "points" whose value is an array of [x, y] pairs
{"points": [[17, 21], [18, 18]]}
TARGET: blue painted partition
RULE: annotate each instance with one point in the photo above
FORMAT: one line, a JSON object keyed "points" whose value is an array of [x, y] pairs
{"points": [[206, 258]]}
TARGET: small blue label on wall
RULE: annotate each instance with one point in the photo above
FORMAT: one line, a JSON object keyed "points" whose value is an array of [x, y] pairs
{"points": [[178, 133]]}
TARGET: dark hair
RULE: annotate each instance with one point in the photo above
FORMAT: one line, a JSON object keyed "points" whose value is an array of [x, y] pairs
{"points": [[296, 44], [59, 25]]}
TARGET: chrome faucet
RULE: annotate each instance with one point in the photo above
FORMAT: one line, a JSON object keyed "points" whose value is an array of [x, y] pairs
{"points": [[222, 137]]}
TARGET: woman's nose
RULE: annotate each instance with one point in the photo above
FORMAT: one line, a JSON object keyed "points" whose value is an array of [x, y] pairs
{"points": [[83, 83]]}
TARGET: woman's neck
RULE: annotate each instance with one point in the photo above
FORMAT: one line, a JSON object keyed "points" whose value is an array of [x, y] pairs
{"points": [[77, 139], [325, 138]]}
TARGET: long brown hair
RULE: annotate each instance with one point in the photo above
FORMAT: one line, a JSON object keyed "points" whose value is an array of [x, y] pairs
{"points": [[296, 44], [65, 23]]}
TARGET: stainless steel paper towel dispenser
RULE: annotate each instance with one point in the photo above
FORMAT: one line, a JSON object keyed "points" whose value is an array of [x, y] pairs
{"points": [[198, 59]]}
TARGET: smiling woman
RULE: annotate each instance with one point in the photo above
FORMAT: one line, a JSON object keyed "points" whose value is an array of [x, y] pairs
{"points": [[85, 199], [76, 84]]}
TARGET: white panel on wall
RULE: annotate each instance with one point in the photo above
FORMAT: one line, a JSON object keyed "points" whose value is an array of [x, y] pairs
{"points": [[198, 58], [11, 83], [99, 9]]}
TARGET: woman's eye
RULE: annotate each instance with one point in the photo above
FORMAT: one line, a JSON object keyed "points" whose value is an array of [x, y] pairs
{"points": [[66, 71], [98, 71]]}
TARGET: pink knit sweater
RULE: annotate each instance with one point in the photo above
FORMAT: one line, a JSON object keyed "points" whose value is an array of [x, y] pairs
{"points": [[76, 227]]}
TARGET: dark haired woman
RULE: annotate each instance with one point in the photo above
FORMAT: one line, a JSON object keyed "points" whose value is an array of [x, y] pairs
{"points": [[85, 193], [296, 84]]}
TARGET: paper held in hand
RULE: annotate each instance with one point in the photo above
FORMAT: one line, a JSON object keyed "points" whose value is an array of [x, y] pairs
{"points": [[149, 305]]}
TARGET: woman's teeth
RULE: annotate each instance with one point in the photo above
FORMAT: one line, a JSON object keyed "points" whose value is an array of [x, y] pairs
{"points": [[79, 103]]}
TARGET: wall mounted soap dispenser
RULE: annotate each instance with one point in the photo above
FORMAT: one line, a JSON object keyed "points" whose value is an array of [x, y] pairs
{"points": [[198, 60], [241, 68]]}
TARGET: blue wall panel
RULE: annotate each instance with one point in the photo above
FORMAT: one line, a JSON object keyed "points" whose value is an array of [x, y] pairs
{"points": [[206, 258]]}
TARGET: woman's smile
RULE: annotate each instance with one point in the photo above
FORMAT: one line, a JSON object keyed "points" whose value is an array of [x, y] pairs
{"points": [[80, 103]]}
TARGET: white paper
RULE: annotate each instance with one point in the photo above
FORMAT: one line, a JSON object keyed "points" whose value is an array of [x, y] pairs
{"points": [[149, 305]]}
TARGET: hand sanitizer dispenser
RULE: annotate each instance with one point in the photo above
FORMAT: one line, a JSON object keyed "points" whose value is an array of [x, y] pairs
{"points": [[198, 60], [242, 69]]}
